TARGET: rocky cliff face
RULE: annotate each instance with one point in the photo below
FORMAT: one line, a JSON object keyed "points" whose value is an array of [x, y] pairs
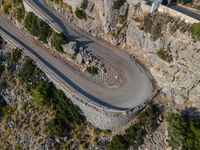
{"points": [[127, 26]]}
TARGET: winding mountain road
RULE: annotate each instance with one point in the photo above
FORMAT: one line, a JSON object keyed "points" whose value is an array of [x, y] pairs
{"points": [[137, 87]]}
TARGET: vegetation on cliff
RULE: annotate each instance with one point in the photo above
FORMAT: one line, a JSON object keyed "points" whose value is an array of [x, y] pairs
{"points": [[80, 14], [156, 23], [196, 31], [37, 27], [184, 132], [92, 70], [134, 136], [118, 3], [12, 57], [16, 7], [58, 40]]}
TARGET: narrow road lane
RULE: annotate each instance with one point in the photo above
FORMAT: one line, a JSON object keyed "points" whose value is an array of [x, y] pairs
{"points": [[186, 11]]}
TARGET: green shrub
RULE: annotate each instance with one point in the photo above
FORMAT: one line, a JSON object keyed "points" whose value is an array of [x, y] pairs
{"points": [[18, 3], [164, 55], [80, 13], [37, 27], [41, 93], [7, 57], [3, 85], [44, 31], [196, 31], [184, 132], [175, 130], [18, 147], [4, 110], [156, 23], [118, 3], [58, 40], [147, 118], [19, 14], [66, 114], [29, 75], [92, 70], [16, 55], [31, 23], [12, 57], [117, 143], [156, 31], [6, 8], [134, 136], [2, 68]]}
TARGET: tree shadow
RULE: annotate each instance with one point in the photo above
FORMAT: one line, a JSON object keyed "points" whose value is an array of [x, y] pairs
{"points": [[191, 112]]}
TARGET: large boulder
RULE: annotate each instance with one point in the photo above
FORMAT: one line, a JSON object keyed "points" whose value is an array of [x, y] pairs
{"points": [[79, 59], [70, 48]]}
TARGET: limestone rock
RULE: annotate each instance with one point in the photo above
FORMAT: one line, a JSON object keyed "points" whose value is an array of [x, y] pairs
{"points": [[179, 99], [79, 59], [89, 8], [70, 48], [123, 10]]}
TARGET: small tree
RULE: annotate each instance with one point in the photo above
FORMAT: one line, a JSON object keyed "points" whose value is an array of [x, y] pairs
{"points": [[80, 13], [58, 40], [19, 14], [6, 8], [196, 31], [41, 93], [31, 24], [118, 4], [92, 70]]}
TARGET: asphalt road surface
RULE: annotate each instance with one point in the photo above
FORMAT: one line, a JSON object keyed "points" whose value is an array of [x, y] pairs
{"points": [[186, 11], [136, 89]]}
